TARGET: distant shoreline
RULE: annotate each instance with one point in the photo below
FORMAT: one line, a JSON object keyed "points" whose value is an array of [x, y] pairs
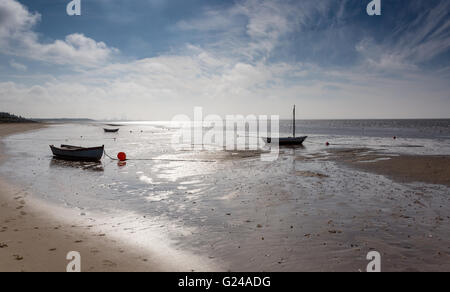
{"points": [[10, 118], [87, 120]]}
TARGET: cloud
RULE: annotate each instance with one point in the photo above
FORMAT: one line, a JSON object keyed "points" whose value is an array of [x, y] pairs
{"points": [[234, 74], [15, 18], [164, 86], [18, 38], [211, 20], [427, 36], [377, 59], [412, 44], [255, 29], [261, 22], [18, 66]]}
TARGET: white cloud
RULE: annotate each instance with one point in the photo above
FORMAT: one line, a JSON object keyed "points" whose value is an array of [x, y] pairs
{"points": [[18, 38], [254, 29], [377, 59], [426, 37], [164, 86], [18, 66], [263, 22], [220, 80], [410, 45], [211, 20], [15, 18]]}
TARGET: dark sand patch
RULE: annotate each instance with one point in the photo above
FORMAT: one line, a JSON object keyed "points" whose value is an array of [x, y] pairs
{"points": [[401, 168], [427, 169], [311, 174]]}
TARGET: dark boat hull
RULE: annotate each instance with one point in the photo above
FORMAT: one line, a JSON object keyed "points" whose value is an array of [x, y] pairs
{"points": [[74, 153], [290, 141], [111, 130]]}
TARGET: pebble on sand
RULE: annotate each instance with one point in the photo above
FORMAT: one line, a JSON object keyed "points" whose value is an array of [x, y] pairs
{"points": [[18, 257]]}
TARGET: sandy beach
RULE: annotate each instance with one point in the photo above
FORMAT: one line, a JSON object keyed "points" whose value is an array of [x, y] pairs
{"points": [[33, 238], [430, 169], [405, 169], [12, 128]]}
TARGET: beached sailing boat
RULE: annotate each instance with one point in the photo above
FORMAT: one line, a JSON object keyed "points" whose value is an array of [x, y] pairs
{"points": [[288, 141]]}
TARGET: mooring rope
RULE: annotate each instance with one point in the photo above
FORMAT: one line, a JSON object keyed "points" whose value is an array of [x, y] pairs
{"points": [[106, 154], [161, 159]]}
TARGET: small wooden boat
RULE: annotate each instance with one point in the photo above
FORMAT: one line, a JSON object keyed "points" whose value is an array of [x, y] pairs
{"points": [[287, 141], [111, 130], [76, 153]]}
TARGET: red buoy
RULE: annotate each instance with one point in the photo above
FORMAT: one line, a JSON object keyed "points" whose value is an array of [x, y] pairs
{"points": [[122, 156], [328, 144]]}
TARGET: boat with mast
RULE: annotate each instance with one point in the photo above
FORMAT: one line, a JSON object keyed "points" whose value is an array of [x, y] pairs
{"points": [[288, 141]]}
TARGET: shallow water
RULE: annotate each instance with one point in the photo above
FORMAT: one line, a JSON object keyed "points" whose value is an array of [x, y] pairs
{"points": [[245, 213]]}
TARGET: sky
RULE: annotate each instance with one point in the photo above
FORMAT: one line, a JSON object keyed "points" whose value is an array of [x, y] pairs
{"points": [[154, 59]]}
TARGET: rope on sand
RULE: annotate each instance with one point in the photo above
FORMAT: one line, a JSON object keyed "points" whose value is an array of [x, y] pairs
{"points": [[106, 154], [161, 159]]}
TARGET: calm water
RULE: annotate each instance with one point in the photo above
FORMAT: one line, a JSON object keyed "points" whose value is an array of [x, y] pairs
{"points": [[234, 208], [425, 129]]}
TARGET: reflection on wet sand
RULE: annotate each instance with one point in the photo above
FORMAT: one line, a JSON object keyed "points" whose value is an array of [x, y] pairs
{"points": [[91, 166], [228, 155], [305, 211]]}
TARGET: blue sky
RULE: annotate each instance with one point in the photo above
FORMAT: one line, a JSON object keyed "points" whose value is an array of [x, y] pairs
{"points": [[153, 59]]}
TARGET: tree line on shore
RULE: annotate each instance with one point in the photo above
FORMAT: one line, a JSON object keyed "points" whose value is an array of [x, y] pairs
{"points": [[10, 118]]}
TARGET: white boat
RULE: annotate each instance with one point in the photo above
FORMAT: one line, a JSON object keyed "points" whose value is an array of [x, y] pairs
{"points": [[287, 141]]}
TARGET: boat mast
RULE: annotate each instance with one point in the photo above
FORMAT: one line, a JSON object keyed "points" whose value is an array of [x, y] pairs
{"points": [[293, 114]]}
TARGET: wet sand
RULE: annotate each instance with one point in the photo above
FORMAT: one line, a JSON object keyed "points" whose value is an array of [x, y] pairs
{"points": [[324, 218], [427, 169], [32, 238], [402, 168], [395, 204], [11, 128]]}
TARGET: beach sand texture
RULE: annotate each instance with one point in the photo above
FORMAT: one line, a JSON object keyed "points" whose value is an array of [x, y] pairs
{"points": [[31, 239], [324, 231], [430, 169]]}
